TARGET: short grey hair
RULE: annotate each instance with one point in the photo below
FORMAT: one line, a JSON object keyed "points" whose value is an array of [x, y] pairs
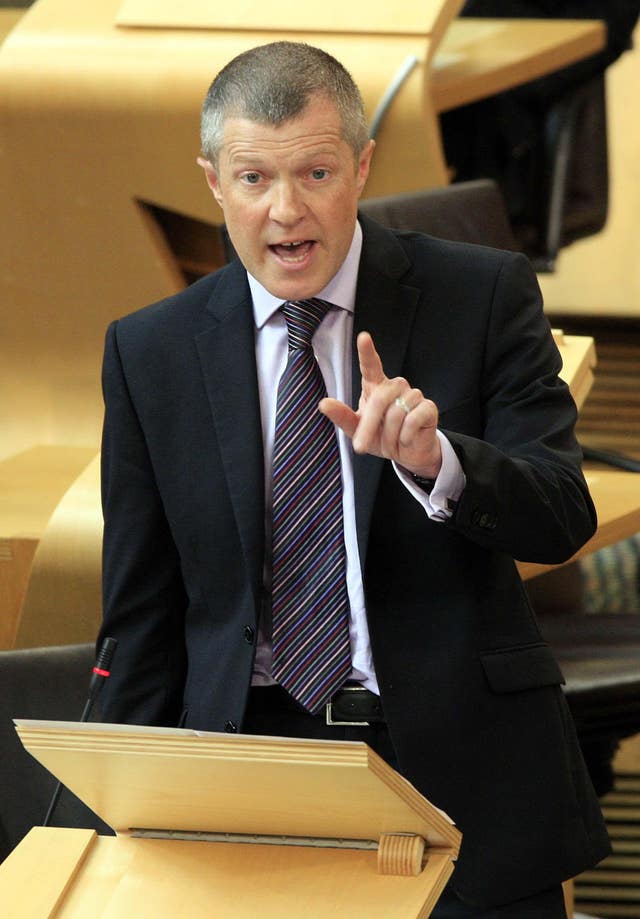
{"points": [[274, 83]]}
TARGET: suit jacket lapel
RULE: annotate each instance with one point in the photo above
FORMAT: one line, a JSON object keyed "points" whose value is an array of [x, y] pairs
{"points": [[226, 349], [385, 307]]}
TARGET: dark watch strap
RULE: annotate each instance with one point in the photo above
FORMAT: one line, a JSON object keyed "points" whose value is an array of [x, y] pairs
{"points": [[424, 483]]}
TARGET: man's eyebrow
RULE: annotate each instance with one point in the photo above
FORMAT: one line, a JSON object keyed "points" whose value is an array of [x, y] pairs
{"points": [[246, 159]]}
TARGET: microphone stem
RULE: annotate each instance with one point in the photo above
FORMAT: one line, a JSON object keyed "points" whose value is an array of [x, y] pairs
{"points": [[100, 674], [54, 800]]}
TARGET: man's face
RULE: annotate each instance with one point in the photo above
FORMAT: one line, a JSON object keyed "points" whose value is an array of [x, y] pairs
{"points": [[290, 195]]}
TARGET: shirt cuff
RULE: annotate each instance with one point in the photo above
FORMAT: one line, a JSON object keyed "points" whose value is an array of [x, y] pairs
{"points": [[448, 486]]}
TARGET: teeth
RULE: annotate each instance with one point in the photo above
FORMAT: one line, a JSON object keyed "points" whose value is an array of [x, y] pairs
{"points": [[295, 258], [296, 251]]}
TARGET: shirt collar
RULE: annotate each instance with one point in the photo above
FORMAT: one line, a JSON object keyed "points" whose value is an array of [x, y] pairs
{"points": [[341, 289]]}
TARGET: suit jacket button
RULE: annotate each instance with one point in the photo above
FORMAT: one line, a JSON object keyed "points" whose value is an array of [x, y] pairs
{"points": [[484, 519], [231, 727], [248, 634]]}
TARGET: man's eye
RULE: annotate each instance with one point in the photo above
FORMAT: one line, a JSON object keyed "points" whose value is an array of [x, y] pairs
{"points": [[319, 173], [251, 178]]}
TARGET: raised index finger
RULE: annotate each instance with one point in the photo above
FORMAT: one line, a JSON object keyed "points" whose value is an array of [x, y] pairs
{"points": [[370, 364]]}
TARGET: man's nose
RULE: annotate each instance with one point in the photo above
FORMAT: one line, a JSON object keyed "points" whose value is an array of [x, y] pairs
{"points": [[287, 203]]}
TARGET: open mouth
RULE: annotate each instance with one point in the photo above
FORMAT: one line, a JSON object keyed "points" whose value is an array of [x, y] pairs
{"points": [[293, 252]]}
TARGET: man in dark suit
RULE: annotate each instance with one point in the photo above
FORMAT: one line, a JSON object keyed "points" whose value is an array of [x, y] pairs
{"points": [[457, 457]]}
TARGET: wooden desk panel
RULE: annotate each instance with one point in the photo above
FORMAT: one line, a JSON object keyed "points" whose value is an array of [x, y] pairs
{"points": [[480, 57], [9, 17]]}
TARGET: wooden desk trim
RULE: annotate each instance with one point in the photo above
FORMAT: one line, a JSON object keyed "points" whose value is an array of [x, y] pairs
{"points": [[481, 57]]}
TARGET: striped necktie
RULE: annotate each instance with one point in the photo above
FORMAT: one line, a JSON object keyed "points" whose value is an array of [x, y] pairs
{"points": [[310, 608]]}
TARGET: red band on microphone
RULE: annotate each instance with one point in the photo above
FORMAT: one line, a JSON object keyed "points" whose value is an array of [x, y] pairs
{"points": [[101, 672]]}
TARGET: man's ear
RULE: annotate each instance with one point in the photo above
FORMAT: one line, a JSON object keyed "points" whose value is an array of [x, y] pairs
{"points": [[364, 164], [211, 176]]}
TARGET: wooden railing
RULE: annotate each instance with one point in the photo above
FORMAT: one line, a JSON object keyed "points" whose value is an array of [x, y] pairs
{"points": [[610, 416]]}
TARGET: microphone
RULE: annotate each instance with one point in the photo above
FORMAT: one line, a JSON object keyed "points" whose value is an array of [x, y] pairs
{"points": [[101, 672]]}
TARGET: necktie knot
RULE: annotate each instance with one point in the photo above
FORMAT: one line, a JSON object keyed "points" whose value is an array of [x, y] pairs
{"points": [[303, 318]]}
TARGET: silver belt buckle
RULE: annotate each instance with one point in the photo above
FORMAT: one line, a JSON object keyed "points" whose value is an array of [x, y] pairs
{"points": [[329, 711]]}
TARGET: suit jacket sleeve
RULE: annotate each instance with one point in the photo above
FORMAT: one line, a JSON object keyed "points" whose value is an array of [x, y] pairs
{"points": [[525, 493]]}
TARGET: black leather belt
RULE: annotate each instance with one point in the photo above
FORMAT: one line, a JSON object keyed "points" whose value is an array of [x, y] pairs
{"points": [[354, 705]]}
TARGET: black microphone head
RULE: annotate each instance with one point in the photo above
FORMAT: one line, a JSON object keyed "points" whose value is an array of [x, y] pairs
{"points": [[105, 654]]}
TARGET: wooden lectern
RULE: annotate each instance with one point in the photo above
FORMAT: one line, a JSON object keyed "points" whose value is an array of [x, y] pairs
{"points": [[230, 826]]}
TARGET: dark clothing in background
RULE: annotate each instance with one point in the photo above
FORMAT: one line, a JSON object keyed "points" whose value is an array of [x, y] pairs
{"points": [[503, 137]]}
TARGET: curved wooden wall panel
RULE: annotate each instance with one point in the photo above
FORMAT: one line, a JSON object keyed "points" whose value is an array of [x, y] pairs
{"points": [[31, 485], [63, 604]]}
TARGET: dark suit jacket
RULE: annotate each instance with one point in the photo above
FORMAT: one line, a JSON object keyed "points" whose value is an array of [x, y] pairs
{"points": [[470, 690]]}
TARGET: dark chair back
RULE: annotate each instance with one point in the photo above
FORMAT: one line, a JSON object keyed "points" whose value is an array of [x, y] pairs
{"points": [[43, 683], [470, 212]]}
